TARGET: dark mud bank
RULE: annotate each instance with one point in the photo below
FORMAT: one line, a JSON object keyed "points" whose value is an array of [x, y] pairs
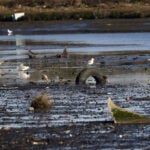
{"points": [[82, 26], [79, 117], [87, 136]]}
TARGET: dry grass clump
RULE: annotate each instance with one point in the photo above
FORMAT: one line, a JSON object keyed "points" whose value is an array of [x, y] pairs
{"points": [[41, 101]]}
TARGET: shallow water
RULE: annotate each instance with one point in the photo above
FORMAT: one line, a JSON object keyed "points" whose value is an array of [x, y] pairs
{"points": [[88, 43]]}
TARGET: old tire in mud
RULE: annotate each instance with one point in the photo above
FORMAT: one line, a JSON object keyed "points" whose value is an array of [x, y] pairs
{"points": [[95, 73]]}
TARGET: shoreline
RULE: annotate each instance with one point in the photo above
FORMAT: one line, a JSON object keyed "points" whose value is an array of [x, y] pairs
{"points": [[78, 10], [82, 26]]}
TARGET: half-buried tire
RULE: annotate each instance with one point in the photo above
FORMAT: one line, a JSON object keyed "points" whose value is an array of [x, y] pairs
{"points": [[95, 73]]}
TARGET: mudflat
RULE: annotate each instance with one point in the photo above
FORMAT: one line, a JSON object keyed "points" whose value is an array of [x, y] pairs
{"points": [[79, 116]]}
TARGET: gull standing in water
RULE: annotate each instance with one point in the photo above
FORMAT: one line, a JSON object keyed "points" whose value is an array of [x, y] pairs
{"points": [[10, 32], [91, 61]]}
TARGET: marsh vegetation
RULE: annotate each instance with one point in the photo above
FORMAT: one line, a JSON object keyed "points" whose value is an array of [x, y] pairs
{"points": [[75, 9]]}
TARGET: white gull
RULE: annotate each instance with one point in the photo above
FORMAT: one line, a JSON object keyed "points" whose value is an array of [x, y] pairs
{"points": [[91, 61], [10, 32], [22, 67]]}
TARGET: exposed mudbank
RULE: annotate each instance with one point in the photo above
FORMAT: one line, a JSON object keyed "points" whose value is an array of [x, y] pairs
{"points": [[79, 117]]}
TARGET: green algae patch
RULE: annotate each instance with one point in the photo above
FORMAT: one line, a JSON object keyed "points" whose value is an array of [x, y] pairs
{"points": [[123, 116]]}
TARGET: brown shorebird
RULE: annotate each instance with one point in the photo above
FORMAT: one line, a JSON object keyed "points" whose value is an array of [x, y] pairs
{"points": [[31, 54]]}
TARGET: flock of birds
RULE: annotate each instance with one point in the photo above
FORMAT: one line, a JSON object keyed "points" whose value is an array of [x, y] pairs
{"points": [[41, 101], [23, 73], [31, 54]]}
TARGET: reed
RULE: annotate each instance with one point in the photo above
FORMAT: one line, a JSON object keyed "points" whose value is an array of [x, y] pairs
{"points": [[66, 10]]}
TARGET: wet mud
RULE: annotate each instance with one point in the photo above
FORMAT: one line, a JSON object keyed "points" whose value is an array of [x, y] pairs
{"points": [[79, 116], [92, 136]]}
